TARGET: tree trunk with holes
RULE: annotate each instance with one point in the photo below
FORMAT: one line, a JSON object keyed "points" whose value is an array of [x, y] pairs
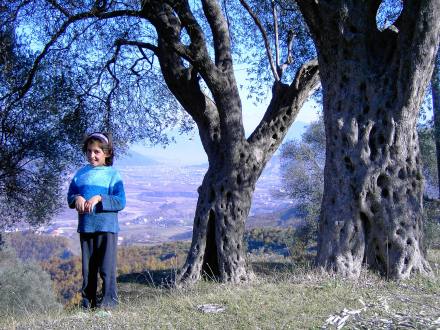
{"points": [[373, 84], [225, 196], [435, 91], [372, 206], [217, 249], [235, 162]]}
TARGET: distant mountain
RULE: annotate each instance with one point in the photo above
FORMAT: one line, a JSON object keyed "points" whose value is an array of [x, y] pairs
{"points": [[188, 151], [133, 158]]}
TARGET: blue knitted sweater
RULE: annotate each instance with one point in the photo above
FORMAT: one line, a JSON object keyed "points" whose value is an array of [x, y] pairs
{"points": [[98, 180]]}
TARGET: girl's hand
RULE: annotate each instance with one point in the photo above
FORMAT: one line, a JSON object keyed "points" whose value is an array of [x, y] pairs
{"points": [[90, 204], [80, 204]]}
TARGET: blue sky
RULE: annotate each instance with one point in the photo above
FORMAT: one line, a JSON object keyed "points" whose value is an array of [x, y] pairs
{"points": [[188, 149]]}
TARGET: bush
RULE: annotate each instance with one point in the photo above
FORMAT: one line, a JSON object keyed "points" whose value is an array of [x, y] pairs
{"points": [[24, 287], [431, 225]]}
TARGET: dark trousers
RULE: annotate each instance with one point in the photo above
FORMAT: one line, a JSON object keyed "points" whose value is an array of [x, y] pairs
{"points": [[99, 251]]}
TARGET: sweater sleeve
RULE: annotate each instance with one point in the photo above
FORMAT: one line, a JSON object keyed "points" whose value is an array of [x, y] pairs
{"points": [[115, 200], [72, 193]]}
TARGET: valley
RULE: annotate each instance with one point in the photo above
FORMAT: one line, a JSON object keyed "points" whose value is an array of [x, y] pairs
{"points": [[161, 199]]}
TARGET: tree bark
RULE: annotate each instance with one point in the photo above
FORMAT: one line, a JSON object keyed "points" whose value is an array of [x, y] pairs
{"points": [[373, 83], [217, 249], [435, 91]]}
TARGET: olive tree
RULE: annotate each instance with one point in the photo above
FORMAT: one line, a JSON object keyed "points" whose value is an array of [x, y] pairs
{"points": [[373, 82], [31, 142]]}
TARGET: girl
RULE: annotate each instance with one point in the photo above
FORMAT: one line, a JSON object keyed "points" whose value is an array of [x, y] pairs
{"points": [[97, 193]]}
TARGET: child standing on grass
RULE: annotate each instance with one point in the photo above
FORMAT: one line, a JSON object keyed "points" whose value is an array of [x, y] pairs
{"points": [[97, 193]]}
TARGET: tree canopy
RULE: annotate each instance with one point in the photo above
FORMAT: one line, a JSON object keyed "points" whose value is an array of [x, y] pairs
{"points": [[34, 140]]}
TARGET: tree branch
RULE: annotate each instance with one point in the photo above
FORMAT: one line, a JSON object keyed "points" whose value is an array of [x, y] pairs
{"points": [[418, 41], [284, 106], [275, 29], [72, 19], [139, 44], [183, 81], [289, 59], [113, 88], [197, 49], [169, 26], [220, 32], [306, 75], [265, 39]]}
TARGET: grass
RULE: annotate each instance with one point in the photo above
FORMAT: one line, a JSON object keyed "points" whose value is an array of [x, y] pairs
{"points": [[281, 297]]}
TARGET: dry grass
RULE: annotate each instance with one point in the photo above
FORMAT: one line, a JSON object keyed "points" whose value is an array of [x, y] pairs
{"points": [[281, 297]]}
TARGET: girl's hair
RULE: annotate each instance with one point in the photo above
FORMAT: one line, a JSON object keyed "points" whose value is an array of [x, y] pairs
{"points": [[105, 143]]}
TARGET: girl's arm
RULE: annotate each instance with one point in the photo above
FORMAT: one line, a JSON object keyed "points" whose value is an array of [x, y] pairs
{"points": [[74, 198], [116, 200], [72, 193]]}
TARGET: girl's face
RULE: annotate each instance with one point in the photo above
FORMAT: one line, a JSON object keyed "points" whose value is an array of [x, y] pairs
{"points": [[95, 155]]}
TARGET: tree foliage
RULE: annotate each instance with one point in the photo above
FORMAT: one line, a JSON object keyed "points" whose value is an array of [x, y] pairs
{"points": [[35, 247], [269, 240], [34, 144], [302, 173], [66, 276]]}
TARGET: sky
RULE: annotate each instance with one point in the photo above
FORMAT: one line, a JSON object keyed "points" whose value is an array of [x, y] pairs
{"points": [[188, 149]]}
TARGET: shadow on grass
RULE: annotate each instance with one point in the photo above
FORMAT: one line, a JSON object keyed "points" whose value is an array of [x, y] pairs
{"points": [[274, 267], [268, 268], [154, 278]]}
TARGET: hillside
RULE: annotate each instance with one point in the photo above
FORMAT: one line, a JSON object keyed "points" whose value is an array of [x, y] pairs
{"points": [[281, 296]]}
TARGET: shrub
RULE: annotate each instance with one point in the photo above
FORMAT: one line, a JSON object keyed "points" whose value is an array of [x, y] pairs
{"points": [[431, 229], [24, 287]]}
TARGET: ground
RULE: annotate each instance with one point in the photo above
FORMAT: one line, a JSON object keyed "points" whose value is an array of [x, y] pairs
{"points": [[281, 296]]}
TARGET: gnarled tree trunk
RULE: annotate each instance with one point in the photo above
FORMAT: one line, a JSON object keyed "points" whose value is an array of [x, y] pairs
{"points": [[224, 201], [217, 248], [235, 162], [435, 90], [373, 83]]}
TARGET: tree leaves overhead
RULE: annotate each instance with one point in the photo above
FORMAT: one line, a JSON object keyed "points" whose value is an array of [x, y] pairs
{"points": [[33, 148], [115, 87]]}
